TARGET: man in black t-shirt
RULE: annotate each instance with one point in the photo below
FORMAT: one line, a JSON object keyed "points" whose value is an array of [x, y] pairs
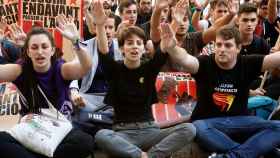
{"points": [[247, 20], [221, 115]]}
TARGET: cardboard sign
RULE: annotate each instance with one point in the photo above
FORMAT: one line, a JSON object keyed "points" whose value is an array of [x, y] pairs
{"points": [[43, 13], [9, 9], [9, 105], [181, 100]]}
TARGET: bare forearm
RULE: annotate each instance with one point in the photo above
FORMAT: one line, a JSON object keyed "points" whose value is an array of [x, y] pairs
{"points": [[195, 20], [224, 20], [102, 41], [210, 33], [155, 22], [84, 60], [179, 55]]}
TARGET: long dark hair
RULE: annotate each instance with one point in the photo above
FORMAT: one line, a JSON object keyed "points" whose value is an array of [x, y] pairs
{"points": [[30, 81]]}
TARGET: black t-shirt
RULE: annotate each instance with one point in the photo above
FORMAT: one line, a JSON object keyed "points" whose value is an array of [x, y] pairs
{"points": [[257, 46], [141, 19], [224, 92], [132, 91]]}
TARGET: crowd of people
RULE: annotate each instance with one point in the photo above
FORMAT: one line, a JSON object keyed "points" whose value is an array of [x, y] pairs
{"points": [[226, 45]]}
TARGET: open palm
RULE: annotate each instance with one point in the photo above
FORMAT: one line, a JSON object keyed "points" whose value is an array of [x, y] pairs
{"points": [[67, 28], [168, 40], [161, 4], [180, 11], [98, 14], [17, 35]]}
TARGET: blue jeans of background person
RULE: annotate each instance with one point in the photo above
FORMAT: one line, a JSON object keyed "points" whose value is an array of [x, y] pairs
{"points": [[216, 134], [128, 140]]}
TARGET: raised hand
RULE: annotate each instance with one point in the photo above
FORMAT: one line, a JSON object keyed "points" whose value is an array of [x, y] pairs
{"points": [[3, 26], [67, 28], [233, 6], [161, 4], [17, 35], [180, 11], [168, 40], [98, 13]]}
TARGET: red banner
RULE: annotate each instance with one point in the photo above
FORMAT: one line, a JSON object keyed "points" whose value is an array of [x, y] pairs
{"points": [[9, 9], [43, 13], [180, 102]]}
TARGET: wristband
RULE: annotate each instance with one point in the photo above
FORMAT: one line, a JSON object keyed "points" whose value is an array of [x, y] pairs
{"points": [[76, 44]]}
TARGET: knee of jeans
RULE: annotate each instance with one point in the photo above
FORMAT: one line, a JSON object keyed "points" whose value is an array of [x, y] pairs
{"points": [[200, 126], [188, 130], [102, 135]]}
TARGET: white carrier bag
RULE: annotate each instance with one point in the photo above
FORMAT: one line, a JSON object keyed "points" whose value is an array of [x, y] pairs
{"points": [[43, 132]]}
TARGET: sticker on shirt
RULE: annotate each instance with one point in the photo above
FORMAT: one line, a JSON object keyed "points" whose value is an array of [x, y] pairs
{"points": [[224, 96], [141, 80]]}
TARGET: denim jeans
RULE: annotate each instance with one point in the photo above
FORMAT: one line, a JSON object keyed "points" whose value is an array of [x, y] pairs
{"points": [[224, 134], [128, 140]]}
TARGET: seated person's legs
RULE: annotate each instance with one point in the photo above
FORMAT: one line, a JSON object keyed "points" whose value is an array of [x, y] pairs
{"points": [[172, 140], [117, 144], [76, 144], [11, 148], [210, 136]]}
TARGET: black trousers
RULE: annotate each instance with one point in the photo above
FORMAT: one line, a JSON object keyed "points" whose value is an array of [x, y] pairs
{"points": [[76, 144]]}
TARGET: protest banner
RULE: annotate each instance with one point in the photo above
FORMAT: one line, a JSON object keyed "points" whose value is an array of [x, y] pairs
{"points": [[9, 105], [9, 10], [180, 100], [43, 13]]}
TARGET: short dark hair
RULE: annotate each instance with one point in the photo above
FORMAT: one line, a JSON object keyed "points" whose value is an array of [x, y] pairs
{"points": [[128, 32], [262, 2], [247, 8], [228, 32], [126, 4], [214, 3]]}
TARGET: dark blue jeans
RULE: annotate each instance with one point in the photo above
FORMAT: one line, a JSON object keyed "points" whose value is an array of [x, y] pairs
{"points": [[225, 134]]}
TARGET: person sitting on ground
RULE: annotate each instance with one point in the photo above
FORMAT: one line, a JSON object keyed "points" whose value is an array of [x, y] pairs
{"points": [[89, 92], [41, 65], [221, 114], [247, 20], [131, 93]]}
